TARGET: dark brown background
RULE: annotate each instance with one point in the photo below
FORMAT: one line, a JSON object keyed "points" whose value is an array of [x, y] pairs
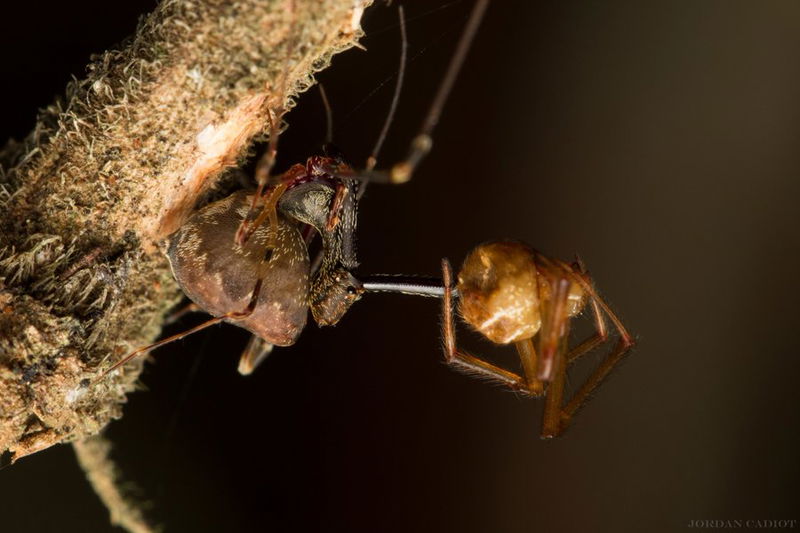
{"points": [[658, 139]]}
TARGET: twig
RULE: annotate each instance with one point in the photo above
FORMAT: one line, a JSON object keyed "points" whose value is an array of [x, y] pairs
{"points": [[94, 457]]}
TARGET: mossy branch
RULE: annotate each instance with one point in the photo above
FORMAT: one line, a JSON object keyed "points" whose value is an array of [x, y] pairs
{"points": [[94, 457], [113, 168]]}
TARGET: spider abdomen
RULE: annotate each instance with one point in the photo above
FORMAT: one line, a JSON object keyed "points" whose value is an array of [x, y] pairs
{"points": [[499, 291], [220, 276]]}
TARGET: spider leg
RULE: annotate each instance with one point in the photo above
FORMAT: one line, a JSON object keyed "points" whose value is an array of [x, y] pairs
{"points": [[622, 347], [254, 354], [560, 416], [601, 331], [422, 142], [463, 360], [593, 381], [269, 210], [336, 206], [529, 360], [584, 281], [262, 175], [554, 339], [593, 341], [555, 323]]}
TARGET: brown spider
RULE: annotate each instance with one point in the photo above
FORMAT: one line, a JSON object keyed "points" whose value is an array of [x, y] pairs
{"points": [[512, 294]]}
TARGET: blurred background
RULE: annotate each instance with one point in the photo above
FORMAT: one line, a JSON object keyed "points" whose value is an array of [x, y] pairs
{"points": [[659, 140]]}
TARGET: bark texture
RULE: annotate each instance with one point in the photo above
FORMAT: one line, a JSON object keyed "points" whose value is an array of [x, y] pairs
{"points": [[109, 171]]}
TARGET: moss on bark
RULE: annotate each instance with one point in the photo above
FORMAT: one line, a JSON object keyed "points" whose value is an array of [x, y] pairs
{"points": [[110, 170]]}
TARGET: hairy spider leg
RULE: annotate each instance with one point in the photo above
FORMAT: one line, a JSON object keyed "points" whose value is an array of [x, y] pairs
{"points": [[601, 331], [463, 360]]}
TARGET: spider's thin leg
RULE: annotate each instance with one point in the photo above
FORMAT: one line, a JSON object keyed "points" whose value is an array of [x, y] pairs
{"points": [[557, 417], [269, 211], [554, 339], [158, 344], [336, 207], [597, 377], [462, 360], [263, 168], [421, 144], [529, 360], [86, 260], [622, 347], [372, 160], [578, 274], [254, 354], [601, 331], [555, 322], [584, 281]]}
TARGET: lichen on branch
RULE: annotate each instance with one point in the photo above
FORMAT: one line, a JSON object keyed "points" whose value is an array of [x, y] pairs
{"points": [[113, 168]]}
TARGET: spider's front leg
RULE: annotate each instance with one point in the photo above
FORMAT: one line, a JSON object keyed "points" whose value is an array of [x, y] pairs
{"points": [[475, 365], [255, 216], [554, 339], [266, 207]]}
